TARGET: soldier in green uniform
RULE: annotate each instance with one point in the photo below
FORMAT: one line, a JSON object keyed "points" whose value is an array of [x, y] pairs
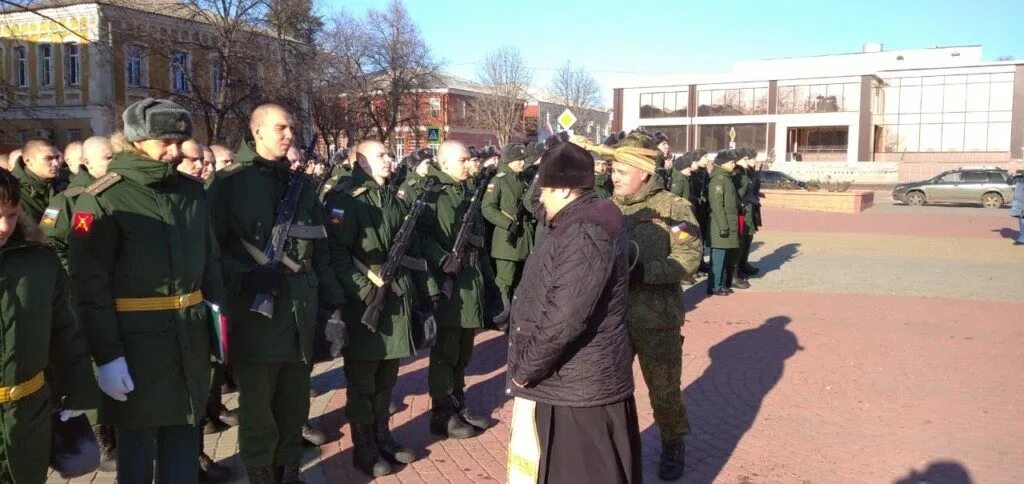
{"points": [[364, 218], [271, 357], [681, 174], [667, 252], [40, 333], [56, 220], [413, 183], [742, 181], [459, 316], [37, 174], [751, 201], [143, 260], [723, 224], [503, 208]]}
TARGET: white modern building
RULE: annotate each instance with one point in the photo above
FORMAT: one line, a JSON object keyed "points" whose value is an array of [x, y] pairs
{"points": [[935, 106]]}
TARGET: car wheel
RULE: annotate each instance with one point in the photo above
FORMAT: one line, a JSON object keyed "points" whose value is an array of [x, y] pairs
{"points": [[915, 199], [991, 200]]}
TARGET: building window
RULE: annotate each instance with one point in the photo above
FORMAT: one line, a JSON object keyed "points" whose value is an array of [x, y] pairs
{"points": [[716, 137], [953, 113], [21, 65], [133, 66], [72, 64], [179, 72], [435, 107], [819, 98], [74, 134], [45, 134], [664, 104], [215, 77], [45, 65], [732, 102], [462, 108], [399, 148]]}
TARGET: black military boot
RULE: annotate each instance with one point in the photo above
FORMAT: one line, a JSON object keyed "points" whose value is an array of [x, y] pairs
{"points": [[292, 474], [749, 270], [444, 421], [672, 462], [211, 472], [365, 454], [459, 403], [107, 440], [312, 435], [261, 475], [740, 282], [387, 445]]}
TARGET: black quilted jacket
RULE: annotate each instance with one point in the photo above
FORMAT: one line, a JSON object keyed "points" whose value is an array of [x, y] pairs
{"points": [[568, 342]]}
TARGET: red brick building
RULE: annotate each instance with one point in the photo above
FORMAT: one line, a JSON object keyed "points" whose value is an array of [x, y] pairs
{"points": [[446, 106]]}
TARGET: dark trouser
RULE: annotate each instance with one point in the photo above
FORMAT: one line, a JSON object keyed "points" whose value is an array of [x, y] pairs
{"points": [[273, 403], [216, 380], [723, 263], [589, 444], [370, 383], [448, 359], [507, 274], [661, 361], [745, 241], [175, 449]]}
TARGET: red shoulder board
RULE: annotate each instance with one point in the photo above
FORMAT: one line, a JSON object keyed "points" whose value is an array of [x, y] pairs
{"points": [[81, 224]]}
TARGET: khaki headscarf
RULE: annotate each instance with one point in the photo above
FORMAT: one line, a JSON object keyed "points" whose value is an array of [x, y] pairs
{"points": [[631, 151]]}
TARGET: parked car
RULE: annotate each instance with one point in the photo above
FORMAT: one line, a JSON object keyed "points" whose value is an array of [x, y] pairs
{"points": [[778, 179], [988, 186]]}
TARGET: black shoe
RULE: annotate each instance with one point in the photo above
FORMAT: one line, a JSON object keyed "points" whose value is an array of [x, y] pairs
{"points": [[365, 453], [292, 474], [211, 472], [444, 421], [261, 475], [214, 426], [672, 462], [749, 270], [459, 403], [388, 447], [740, 283], [107, 441], [721, 292], [228, 417], [312, 435], [1018, 243]]}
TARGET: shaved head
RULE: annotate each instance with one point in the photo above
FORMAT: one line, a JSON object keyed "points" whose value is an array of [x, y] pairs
{"points": [[97, 152], [191, 158], [73, 156], [223, 156], [272, 131], [453, 158], [41, 158], [374, 159]]}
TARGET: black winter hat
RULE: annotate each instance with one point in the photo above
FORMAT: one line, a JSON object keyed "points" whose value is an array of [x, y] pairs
{"points": [[552, 141], [513, 152], [682, 161], [659, 137], [566, 166]]}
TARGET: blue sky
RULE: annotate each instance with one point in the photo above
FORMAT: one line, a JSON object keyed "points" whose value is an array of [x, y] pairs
{"points": [[625, 38]]}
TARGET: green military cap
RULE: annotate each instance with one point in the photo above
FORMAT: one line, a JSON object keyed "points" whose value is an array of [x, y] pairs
{"points": [[156, 119], [513, 152]]}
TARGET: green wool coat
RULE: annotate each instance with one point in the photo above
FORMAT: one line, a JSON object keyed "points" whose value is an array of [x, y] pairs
{"points": [[149, 236], [244, 208], [724, 204], [680, 184], [438, 227], [742, 181], [35, 192], [39, 331], [56, 220], [666, 241], [603, 185], [363, 220], [501, 202]]}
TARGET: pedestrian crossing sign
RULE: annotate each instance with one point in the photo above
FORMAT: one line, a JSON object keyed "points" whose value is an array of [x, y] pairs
{"points": [[434, 134]]}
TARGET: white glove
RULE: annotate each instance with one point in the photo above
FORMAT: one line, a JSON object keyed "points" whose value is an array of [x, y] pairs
{"points": [[66, 415], [114, 379]]}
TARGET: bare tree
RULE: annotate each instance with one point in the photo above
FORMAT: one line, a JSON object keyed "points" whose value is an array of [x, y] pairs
{"points": [[575, 89], [506, 79]]}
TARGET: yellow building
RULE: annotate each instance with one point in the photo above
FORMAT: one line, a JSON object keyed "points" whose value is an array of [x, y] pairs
{"points": [[69, 67]]}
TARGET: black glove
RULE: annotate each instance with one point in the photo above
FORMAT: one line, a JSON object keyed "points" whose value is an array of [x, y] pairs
{"points": [[336, 333], [515, 231], [636, 275], [264, 279], [724, 233], [435, 303]]}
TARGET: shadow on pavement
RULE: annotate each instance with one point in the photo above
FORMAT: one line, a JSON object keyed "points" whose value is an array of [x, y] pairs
{"points": [[778, 258], [1008, 233], [723, 402], [938, 472]]}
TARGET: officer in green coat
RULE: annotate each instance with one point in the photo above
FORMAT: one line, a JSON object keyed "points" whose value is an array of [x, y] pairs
{"points": [[502, 207], [666, 252], [363, 220], [602, 177], [751, 201], [742, 181], [271, 356], [37, 174], [413, 183], [56, 221], [143, 261], [40, 333], [460, 315], [682, 171], [724, 224]]}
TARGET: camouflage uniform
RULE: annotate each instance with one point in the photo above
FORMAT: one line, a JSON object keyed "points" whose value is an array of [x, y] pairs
{"points": [[669, 247]]}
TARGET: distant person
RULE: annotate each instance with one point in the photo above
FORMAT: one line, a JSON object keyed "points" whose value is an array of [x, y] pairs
{"points": [[223, 155], [569, 360], [37, 173], [1017, 207], [73, 156], [191, 159]]}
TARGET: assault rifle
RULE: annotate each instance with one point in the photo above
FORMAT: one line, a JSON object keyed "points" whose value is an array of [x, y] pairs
{"points": [[399, 246], [285, 228], [453, 263]]}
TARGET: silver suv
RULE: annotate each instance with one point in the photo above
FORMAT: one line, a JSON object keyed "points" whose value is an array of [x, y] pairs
{"points": [[989, 187]]}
